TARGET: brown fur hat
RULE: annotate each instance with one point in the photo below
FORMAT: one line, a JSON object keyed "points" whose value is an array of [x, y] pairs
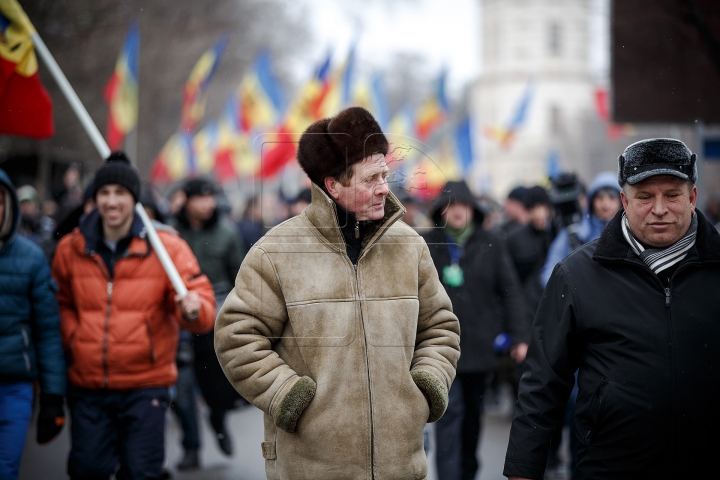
{"points": [[331, 145]]}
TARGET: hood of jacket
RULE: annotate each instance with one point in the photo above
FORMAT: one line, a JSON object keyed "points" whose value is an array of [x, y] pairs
{"points": [[601, 180], [13, 209], [455, 192], [591, 226]]}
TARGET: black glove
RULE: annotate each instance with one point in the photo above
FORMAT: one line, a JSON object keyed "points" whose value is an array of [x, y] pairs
{"points": [[51, 418]]}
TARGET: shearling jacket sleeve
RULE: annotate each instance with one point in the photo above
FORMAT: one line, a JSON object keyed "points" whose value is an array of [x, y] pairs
{"points": [[437, 343], [253, 315]]}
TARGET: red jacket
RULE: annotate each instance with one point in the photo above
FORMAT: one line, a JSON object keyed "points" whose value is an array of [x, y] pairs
{"points": [[122, 332]]}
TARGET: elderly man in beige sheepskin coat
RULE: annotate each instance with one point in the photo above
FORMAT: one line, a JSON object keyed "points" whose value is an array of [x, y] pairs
{"points": [[338, 327]]}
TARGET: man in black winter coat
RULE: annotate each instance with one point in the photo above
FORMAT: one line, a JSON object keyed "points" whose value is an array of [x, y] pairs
{"points": [[637, 313], [480, 279]]}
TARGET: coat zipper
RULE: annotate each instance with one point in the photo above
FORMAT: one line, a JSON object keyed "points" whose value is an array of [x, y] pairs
{"points": [[367, 366], [105, 334]]}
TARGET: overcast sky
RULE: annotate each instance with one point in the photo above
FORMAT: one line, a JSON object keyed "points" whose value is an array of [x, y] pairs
{"points": [[446, 34]]}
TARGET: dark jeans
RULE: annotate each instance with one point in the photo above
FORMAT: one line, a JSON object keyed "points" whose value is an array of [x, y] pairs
{"points": [[15, 408], [185, 408], [457, 433], [117, 428]]}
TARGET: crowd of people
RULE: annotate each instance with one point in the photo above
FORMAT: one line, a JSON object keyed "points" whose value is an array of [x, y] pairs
{"points": [[336, 318]]}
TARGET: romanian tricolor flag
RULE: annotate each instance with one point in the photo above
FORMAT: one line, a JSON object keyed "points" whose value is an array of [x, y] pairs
{"points": [[195, 93], [433, 112], [25, 106], [306, 108], [339, 88], [261, 100], [175, 161], [464, 144], [121, 91], [371, 96], [505, 135]]}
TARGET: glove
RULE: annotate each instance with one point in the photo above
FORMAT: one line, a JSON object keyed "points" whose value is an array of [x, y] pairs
{"points": [[51, 417]]}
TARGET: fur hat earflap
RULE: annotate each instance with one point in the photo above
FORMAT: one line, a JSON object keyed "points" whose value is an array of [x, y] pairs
{"points": [[331, 145]]}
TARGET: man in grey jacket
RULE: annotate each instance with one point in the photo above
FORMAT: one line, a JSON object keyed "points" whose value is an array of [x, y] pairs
{"points": [[338, 327]]}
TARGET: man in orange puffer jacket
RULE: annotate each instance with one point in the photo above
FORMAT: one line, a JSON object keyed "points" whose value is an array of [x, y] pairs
{"points": [[120, 322]]}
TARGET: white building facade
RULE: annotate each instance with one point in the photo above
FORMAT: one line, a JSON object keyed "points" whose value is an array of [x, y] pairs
{"points": [[544, 44]]}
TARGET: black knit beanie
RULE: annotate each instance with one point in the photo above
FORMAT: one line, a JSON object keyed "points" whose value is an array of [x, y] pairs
{"points": [[118, 170], [199, 187]]}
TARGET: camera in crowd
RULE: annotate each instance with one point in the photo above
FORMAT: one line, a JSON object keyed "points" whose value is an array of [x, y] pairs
{"points": [[566, 192]]}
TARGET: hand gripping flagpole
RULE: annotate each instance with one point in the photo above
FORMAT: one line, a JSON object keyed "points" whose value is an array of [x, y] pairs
{"points": [[102, 147]]}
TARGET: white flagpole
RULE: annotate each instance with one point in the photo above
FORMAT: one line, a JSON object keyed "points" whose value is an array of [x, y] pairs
{"points": [[104, 150], [71, 96]]}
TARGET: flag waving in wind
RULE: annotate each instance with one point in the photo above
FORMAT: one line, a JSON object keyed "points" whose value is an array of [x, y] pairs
{"points": [[25, 106], [195, 94], [433, 111], [261, 99], [121, 91], [505, 135], [176, 161]]}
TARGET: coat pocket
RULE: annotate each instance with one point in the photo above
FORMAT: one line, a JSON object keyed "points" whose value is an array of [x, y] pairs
{"points": [[595, 408]]}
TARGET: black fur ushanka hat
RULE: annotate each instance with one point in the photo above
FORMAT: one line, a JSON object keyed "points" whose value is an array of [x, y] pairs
{"points": [[331, 145]]}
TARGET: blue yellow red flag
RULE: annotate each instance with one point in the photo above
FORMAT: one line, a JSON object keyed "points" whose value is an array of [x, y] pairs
{"points": [[433, 111], [306, 107], [261, 101], [25, 105], [505, 135], [463, 139], [121, 91], [370, 94], [196, 87]]}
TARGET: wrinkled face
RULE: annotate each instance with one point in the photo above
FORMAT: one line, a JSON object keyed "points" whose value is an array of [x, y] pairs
{"points": [[659, 209], [115, 204], [200, 207], [366, 192], [605, 206], [458, 215]]}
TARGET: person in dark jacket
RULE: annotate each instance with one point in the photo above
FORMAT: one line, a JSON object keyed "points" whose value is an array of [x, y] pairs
{"points": [[220, 252], [528, 246], [603, 202], [30, 341], [515, 210], [478, 275], [636, 312]]}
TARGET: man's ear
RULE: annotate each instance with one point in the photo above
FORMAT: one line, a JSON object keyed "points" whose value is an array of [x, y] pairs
{"points": [[624, 199], [331, 187]]}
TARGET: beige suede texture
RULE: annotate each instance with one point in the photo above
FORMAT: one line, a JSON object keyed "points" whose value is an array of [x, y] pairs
{"points": [[299, 308]]}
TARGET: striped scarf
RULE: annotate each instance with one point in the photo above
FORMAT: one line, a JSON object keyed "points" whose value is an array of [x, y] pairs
{"points": [[658, 259]]}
